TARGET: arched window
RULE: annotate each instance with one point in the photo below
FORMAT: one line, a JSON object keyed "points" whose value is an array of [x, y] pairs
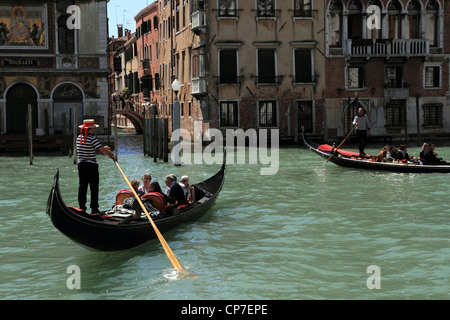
{"points": [[413, 20], [431, 22], [355, 23], [394, 21], [65, 97], [66, 36], [335, 23]]}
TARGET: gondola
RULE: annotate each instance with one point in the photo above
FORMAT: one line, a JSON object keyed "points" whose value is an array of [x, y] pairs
{"points": [[108, 233], [350, 159]]}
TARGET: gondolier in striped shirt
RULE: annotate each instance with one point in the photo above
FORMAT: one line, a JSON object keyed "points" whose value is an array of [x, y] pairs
{"points": [[87, 145]]}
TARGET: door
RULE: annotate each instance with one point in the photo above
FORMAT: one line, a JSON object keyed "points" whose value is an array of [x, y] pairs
{"points": [[17, 101]]}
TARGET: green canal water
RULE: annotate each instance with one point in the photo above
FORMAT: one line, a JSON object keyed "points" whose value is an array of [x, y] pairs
{"points": [[308, 232]]}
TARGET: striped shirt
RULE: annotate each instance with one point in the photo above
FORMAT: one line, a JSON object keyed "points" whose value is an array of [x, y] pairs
{"points": [[86, 152]]}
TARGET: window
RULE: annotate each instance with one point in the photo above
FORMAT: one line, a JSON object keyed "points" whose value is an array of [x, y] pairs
{"points": [[355, 77], [266, 66], [432, 115], [413, 20], [177, 17], [394, 20], [228, 113], [355, 22], [302, 8], [190, 109], [305, 115], [198, 63], [227, 8], [66, 37], [265, 8], [228, 66], [432, 77], [335, 23], [303, 65], [267, 114], [394, 77], [431, 22], [395, 113]]}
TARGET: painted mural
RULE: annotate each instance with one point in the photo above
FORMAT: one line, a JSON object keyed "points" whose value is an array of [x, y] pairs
{"points": [[22, 27]]}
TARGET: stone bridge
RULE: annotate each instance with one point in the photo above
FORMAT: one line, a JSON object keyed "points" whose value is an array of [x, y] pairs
{"points": [[135, 118]]}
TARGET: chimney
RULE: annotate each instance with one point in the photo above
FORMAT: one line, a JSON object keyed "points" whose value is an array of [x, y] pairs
{"points": [[119, 30]]}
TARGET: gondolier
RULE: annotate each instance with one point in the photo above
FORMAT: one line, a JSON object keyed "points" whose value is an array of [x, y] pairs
{"points": [[362, 124], [88, 174]]}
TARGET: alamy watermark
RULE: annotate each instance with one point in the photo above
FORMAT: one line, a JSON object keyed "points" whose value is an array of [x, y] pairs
{"points": [[256, 151], [374, 281], [74, 21], [74, 280], [373, 17]]}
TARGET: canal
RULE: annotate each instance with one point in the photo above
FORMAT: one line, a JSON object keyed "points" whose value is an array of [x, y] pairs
{"points": [[308, 232]]}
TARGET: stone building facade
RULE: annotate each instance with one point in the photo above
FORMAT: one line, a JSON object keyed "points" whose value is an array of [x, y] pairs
{"points": [[53, 55], [393, 62]]}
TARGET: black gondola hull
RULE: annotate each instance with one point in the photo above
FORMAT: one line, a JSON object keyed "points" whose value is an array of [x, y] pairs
{"points": [[102, 234]]}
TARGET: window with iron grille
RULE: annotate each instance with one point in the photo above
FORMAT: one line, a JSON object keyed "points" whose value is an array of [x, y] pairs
{"points": [[266, 8], [302, 8], [433, 115], [228, 114], [267, 114], [227, 8], [395, 113]]}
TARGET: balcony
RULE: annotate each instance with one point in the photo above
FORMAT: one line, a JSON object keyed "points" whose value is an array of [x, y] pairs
{"points": [[386, 47], [198, 87], [198, 22]]}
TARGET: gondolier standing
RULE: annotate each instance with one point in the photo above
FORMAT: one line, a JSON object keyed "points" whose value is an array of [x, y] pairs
{"points": [[362, 129], [87, 145]]}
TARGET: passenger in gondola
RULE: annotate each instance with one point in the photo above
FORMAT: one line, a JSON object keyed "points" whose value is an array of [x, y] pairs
{"points": [[382, 155], [135, 184], [169, 202], [430, 157], [425, 147], [188, 189], [146, 179], [402, 154], [175, 190], [392, 153]]}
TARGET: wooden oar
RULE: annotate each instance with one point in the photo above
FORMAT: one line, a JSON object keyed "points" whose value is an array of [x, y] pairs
{"points": [[339, 145], [173, 259]]}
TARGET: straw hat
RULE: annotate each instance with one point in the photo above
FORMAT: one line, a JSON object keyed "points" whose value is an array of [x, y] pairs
{"points": [[89, 123]]}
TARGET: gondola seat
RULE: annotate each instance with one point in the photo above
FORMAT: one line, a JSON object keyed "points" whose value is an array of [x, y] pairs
{"points": [[122, 195], [157, 200]]}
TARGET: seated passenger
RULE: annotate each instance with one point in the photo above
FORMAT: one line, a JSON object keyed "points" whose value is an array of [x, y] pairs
{"points": [[135, 184], [175, 190], [146, 179], [430, 157], [382, 155], [425, 147], [188, 189], [392, 153], [403, 153]]}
